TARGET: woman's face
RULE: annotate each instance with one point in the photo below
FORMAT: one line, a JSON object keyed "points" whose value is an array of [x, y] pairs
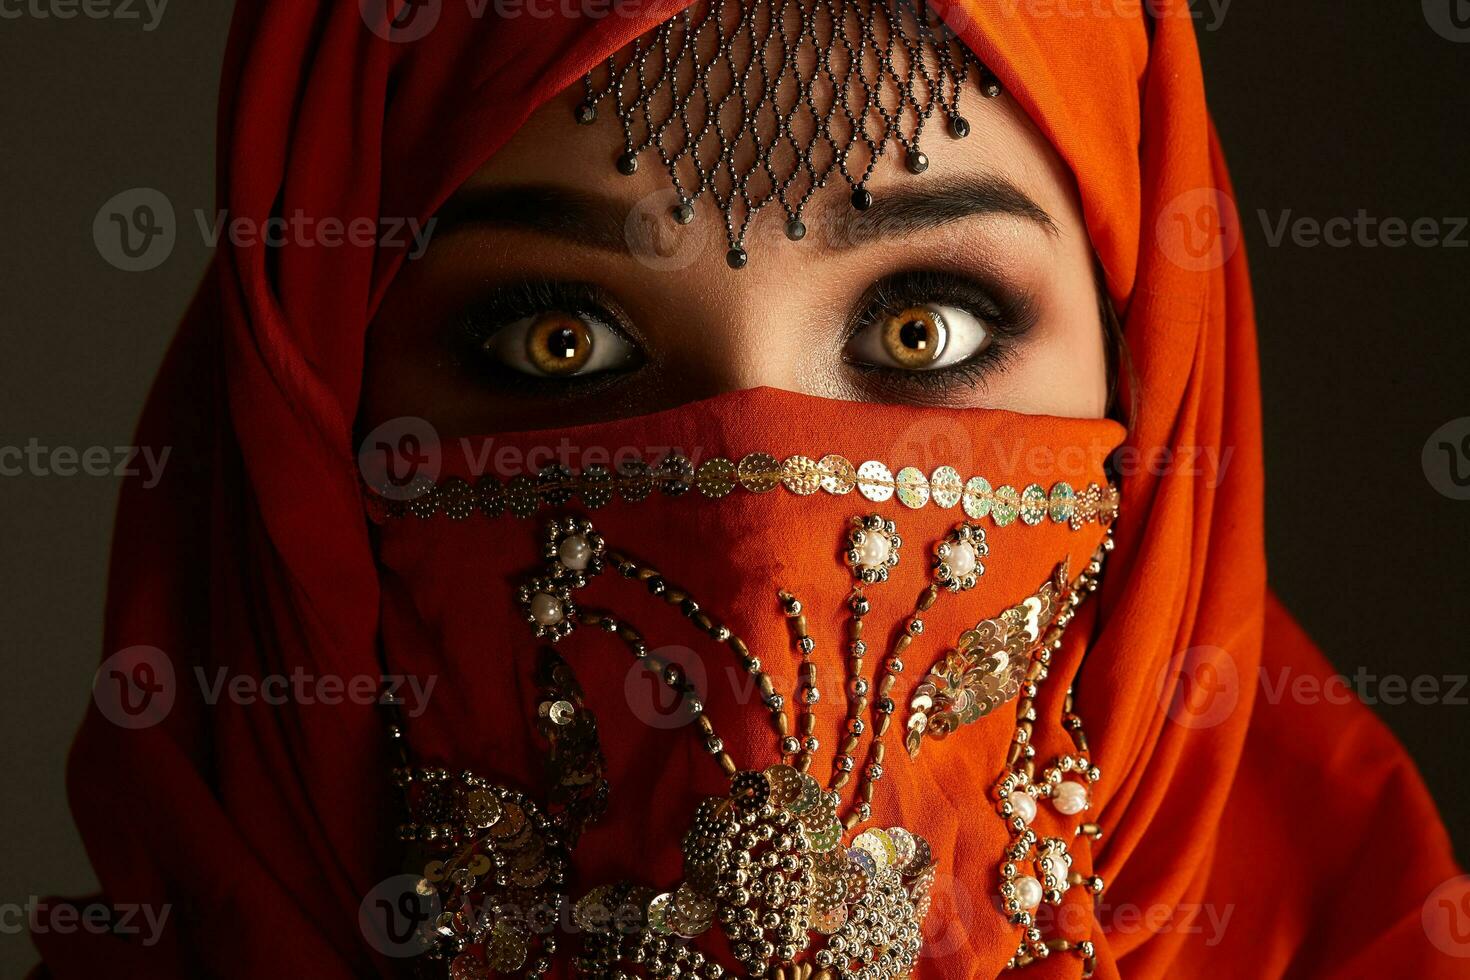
{"points": [[557, 291]]}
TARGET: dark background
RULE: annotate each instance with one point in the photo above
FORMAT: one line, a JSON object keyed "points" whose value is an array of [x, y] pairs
{"points": [[1325, 110]]}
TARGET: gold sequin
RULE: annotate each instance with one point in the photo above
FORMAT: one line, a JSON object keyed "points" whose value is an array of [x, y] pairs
{"points": [[913, 487], [978, 497], [947, 486], [1005, 505], [838, 475], [715, 477], [1062, 499], [875, 481], [596, 486], [1033, 504], [759, 473], [801, 475]]}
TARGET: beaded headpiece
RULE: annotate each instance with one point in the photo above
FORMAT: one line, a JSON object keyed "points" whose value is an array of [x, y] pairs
{"points": [[766, 101]]}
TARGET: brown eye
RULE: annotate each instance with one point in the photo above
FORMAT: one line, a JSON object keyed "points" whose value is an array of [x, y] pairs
{"points": [[557, 344], [919, 338], [914, 337]]}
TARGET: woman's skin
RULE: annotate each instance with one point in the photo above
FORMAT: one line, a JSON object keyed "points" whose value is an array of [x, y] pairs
{"points": [[991, 235]]}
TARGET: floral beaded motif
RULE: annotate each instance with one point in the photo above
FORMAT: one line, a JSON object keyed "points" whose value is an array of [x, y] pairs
{"points": [[781, 863]]}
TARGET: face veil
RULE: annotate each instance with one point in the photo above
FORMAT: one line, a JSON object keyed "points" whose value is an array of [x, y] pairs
{"points": [[271, 824]]}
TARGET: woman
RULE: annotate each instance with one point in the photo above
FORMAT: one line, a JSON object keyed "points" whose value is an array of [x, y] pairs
{"points": [[655, 452]]}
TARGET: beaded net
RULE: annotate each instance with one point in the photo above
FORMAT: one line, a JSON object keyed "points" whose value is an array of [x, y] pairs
{"points": [[766, 101]]}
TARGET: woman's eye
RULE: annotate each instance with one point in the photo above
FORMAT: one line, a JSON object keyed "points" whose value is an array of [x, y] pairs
{"points": [[555, 344], [920, 338]]}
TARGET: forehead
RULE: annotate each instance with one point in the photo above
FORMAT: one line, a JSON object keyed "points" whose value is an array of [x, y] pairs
{"points": [[731, 112]]}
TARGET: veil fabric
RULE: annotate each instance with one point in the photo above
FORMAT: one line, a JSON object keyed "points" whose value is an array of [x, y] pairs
{"points": [[262, 828]]}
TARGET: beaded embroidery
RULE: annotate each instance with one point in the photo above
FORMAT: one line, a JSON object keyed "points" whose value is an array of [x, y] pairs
{"points": [[774, 863], [758, 473], [761, 102]]}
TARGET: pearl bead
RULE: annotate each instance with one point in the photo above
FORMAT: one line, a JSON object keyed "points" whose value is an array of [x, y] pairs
{"points": [[546, 609], [874, 549], [575, 553], [1024, 805], [1028, 892], [1069, 797], [962, 559]]}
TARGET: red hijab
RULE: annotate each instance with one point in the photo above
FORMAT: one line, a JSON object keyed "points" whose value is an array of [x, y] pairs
{"points": [[263, 829]]}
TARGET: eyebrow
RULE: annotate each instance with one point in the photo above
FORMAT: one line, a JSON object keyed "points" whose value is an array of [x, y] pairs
{"points": [[599, 222]]}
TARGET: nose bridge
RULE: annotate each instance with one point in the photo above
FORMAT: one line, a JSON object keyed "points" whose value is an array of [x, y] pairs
{"points": [[742, 331]]}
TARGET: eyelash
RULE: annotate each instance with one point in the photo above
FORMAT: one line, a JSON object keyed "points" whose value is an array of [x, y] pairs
{"points": [[1007, 317], [529, 297]]}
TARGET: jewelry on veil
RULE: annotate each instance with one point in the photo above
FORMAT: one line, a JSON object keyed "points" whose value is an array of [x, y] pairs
{"points": [[759, 103]]}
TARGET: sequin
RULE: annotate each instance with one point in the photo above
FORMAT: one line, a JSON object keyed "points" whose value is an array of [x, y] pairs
{"points": [[635, 480], [978, 497], [489, 495], [555, 483], [750, 790], [521, 494], [863, 860], [809, 797], [913, 487], [759, 473], [786, 786], [829, 921], [801, 475], [675, 474], [904, 847], [875, 481], [1033, 504], [876, 843], [423, 498], [715, 477], [658, 911], [596, 486], [505, 951], [456, 498], [1005, 506], [838, 475], [947, 486], [1063, 497]]}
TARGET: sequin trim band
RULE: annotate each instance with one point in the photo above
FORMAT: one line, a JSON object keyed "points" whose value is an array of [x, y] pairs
{"points": [[456, 498]]}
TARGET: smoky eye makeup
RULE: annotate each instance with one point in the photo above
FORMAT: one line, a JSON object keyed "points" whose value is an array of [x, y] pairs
{"points": [[927, 331], [546, 337], [912, 336]]}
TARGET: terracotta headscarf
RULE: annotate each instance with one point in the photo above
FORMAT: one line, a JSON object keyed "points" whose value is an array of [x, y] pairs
{"points": [[262, 828]]}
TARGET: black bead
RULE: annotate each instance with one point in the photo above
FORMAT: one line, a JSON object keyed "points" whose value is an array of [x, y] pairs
{"points": [[795, 229], [683, 213], [917, 161], [586, 114], [627, 164], [861, 199], [989, 86], [959, 127], [736, 258]]}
